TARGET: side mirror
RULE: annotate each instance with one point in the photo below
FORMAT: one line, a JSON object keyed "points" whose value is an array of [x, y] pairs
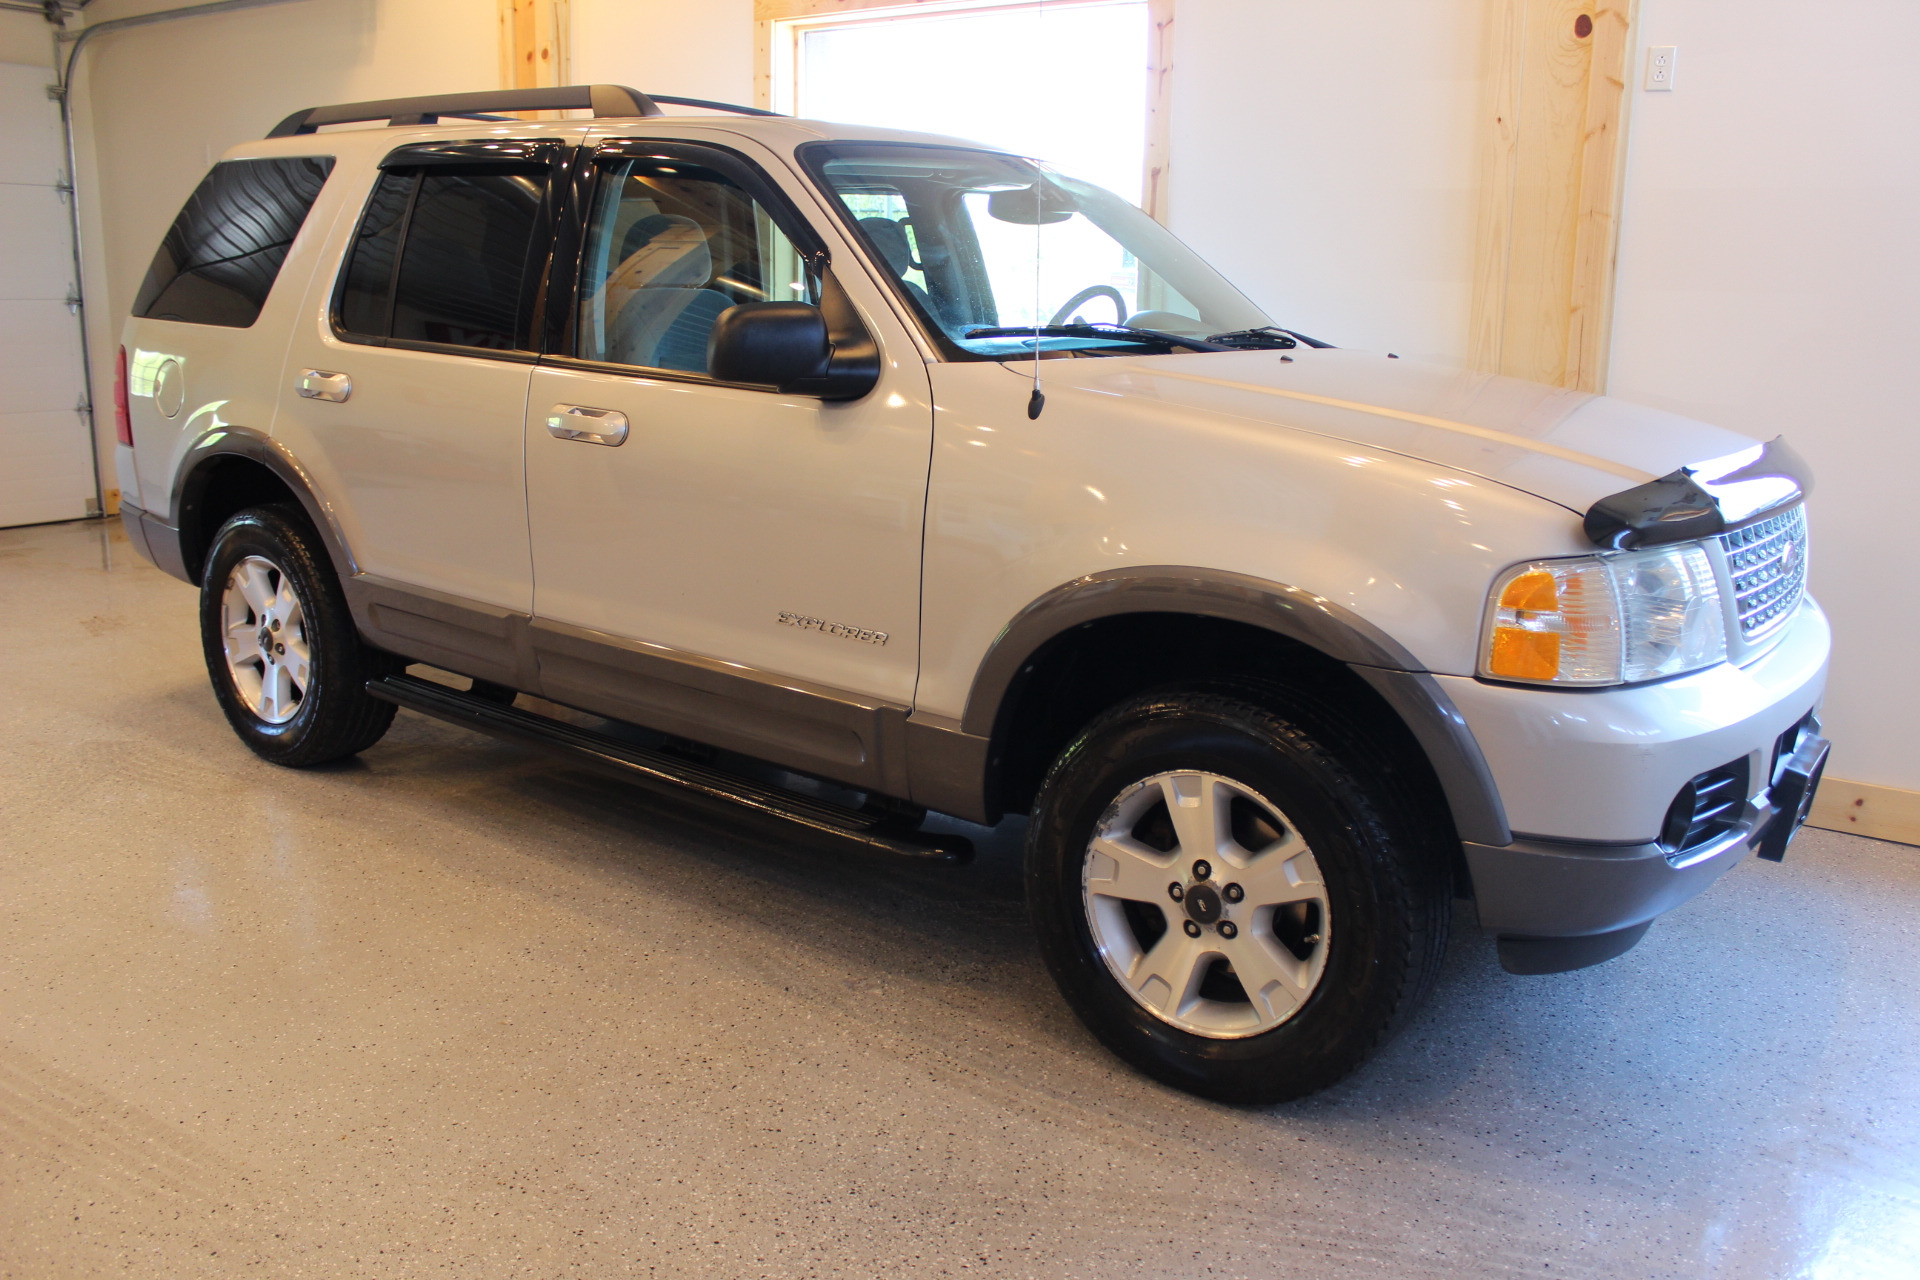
{"points": [[771, 344], [822, 351]]}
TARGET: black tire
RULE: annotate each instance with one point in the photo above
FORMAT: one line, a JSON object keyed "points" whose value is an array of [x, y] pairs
{"points": [[332, 717], [1386, 890]]}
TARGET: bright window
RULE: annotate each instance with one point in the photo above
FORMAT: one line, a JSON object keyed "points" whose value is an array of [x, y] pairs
{"points": [[1063, 82]]}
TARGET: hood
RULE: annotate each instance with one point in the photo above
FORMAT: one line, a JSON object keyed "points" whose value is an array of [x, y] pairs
{"points": [[1569, 447]]}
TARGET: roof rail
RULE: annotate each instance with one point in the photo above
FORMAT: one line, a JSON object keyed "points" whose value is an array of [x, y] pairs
{"points": [[730, 108], [602, 99]]}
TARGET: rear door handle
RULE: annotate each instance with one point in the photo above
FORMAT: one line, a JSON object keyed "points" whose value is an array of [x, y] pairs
{"points": [[318, 384], [579, 422]]}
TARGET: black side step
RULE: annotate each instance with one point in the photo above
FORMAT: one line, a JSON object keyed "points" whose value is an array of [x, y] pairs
{"points": [[668, 773]]}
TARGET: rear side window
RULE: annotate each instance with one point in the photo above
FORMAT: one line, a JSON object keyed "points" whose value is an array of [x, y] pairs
{"points": [[219, 260], [442, 256]]}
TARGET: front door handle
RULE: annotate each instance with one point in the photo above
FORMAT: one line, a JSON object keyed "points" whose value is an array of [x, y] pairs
{"points": [[578, 422], [318, 384]]}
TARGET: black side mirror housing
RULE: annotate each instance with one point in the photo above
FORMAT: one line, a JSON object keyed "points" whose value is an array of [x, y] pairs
{"points": [[822, 351], [771, 344]]}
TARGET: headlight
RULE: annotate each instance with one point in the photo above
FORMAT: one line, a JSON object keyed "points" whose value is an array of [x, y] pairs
{"points": [[1611, 619]]}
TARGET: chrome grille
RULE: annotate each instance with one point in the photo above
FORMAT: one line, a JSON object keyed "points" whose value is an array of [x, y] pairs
{"points": [[1768, 564]]}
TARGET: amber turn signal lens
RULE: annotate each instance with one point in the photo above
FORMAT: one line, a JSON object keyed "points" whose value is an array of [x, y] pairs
{"points": [[1519, 654], [1533, 592], [1522, 652]]}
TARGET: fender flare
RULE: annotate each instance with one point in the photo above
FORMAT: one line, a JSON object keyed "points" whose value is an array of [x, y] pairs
{"points": [[196, 470], [1322, 625]]}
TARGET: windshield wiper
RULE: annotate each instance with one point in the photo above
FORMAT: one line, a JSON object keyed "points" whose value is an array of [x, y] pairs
{"points": [[1269, 336], [1121, 332]]}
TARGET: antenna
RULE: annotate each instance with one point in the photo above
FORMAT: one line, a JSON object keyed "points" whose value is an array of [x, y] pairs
{"points": [[1038, 400]]}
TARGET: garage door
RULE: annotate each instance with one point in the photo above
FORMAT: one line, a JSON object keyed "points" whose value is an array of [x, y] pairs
{"points": [[46, 462]]}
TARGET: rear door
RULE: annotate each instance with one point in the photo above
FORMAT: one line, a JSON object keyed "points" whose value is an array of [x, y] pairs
{"points": [[406, 393]]}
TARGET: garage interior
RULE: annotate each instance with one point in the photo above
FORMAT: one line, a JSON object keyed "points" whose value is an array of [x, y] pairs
{"points": [[456, 1008]]}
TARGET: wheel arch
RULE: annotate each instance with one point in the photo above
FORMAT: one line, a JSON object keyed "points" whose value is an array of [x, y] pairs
{"points": [[232, 468], [1090, 642]]}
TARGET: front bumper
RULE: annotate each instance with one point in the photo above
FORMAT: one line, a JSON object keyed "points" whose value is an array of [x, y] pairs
{"points": [[1556, 907], [1587, 780]]}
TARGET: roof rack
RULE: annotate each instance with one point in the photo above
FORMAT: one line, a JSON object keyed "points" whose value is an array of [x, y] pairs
{"points": [[728, 107], [602, 99]]}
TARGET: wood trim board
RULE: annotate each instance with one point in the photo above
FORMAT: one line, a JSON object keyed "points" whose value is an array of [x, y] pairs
{"points": [[534, 51], [1553, 121], [1867, 809]]}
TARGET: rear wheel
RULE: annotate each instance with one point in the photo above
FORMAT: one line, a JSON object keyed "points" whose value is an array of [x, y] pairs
{"points": [[287, 665], [1226, 902]]}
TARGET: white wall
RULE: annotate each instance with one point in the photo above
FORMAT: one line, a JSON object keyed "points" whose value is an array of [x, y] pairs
{"points": [[1325, 158], [1769, 281], [697, 49], [25, 38]]}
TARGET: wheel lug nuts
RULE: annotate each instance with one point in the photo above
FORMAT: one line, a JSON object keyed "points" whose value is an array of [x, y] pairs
{"points": [[276, 624], [1227, 929], [1233, 893], [1193, 930], [1175, 892], [1201, 870], [279, 648]]}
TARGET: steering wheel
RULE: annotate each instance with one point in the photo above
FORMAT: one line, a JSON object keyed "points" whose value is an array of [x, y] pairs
{"points": [[1087, 295]]}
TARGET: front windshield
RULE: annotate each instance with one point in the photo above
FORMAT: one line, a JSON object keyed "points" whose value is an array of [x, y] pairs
{"points": [[962, 232]]}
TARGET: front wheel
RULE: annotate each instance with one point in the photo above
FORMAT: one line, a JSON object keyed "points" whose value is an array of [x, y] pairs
{"points": [[287, 665], [1224, 900]]}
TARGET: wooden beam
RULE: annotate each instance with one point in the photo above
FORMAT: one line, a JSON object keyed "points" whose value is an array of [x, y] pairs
{"points": [[533, 44], [1159, 160], [1553, 121], [1885, 813]]}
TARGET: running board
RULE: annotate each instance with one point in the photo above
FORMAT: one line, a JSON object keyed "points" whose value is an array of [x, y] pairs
{"points": [[667, 773]]}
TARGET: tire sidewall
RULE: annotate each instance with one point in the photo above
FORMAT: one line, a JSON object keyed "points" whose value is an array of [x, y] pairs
{"points": [[277, 538], [1369, 942]]}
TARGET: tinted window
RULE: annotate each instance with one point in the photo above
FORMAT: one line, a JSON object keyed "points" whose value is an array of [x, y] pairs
{"points": [[368, 284], [670, 245], [219, 260], [462, 273]]}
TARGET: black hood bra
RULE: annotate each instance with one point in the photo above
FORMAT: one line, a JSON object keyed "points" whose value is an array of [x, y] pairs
{"points": [[1687, 504]]}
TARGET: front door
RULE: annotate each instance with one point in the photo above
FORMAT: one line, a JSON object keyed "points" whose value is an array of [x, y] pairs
{"points": [[707, 554]]}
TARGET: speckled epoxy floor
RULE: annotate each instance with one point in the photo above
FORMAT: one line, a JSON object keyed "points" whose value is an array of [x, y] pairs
{"points": [[457, 1010]]}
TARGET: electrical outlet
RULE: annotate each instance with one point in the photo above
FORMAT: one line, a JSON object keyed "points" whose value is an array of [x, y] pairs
{"points": [[1660, 66]]}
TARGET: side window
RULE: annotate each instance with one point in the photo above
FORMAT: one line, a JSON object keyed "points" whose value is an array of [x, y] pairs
{"points": [[219, 260], [367, 287], [670, 245], [462, 276]]}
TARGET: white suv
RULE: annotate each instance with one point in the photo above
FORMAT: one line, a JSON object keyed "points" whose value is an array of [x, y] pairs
{"points": [[926, 478]]}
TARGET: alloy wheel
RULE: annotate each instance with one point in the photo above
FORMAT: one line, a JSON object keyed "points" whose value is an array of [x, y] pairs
{"points": [[263, 629], [1206, 904]]}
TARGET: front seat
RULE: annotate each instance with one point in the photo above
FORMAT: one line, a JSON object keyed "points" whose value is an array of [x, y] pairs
{"points": [[890, 238], [659, 310]]}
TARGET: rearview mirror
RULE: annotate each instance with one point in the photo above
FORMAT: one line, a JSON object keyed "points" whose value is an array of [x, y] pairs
{"points": [[1025, 208]]}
